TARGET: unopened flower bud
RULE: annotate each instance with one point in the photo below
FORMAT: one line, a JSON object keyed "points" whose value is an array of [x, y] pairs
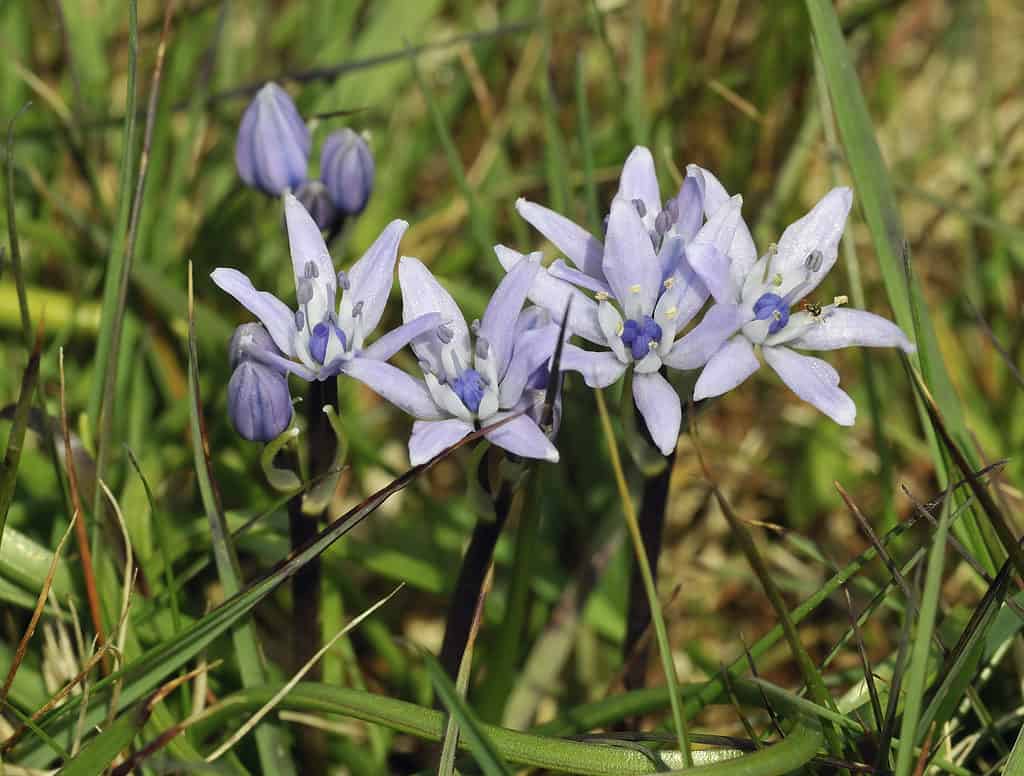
{"points": [[273, 144], [259, 404], [347, 169], [317, 200]]}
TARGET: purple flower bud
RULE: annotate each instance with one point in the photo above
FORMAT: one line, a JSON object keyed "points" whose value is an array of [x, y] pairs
{"points": [[346, 168], [317, 200], [259, 404], [273, 144], [248, 342]]}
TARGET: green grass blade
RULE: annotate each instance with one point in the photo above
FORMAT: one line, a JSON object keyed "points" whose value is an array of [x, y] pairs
{"points": [[526, 749], [104, 360], [479, 743], [12, 237], [273, 757], [16, 439], [878, 202], [920, 653]]}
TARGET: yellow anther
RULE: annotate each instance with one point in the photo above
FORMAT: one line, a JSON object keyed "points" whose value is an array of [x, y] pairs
{"points": [[669, 282], [601, 296], [635, 288], [671, 313], [777, 279], [618, 331], [839, 301]]}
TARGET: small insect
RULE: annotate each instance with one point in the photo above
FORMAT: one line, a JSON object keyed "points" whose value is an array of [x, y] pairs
{"points": [[812, 308]]}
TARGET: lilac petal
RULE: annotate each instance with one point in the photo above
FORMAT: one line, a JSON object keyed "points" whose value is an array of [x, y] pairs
{"points": [[562, 271], [740, 247], [630, 264], [715, 195], [371, 277], [306, 244], [430, 437], [579, 246], [599, 369], [639, 181], [522, 437], [671, 255], [690, 202], [662, 411], [422, 294], [497, 327], [554, 295], [845, 327], [272, 312], [388, 344], [713, 268], [814, 381], [819, 230], [734, 362], [405, 392], [283, 364], [532, 349], [703, 340]]}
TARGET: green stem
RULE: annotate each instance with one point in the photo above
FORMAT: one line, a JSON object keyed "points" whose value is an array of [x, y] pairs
{"points": [[660, 632], [592, 759]]}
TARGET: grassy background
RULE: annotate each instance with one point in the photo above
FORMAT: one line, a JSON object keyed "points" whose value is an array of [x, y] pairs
{"points": [[542, 99]]}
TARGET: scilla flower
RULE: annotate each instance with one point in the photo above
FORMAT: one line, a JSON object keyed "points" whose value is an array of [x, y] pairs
{"points": [[336, 311], [259, 403], [472, 377], [754, 300], [645, 291], [346, 168], [272, 150]]}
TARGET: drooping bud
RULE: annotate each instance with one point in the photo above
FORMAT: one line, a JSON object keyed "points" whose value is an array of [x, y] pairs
{"points": [[272, 150], [317, 200], [259, 404], [347, 170], [445, 333]]}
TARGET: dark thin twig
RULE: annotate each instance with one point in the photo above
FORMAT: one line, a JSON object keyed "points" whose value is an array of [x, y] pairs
{"points": [[991, 337], [869, 677], [764, 697]]}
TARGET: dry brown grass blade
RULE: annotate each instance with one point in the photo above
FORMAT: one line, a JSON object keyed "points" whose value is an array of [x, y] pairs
{"points": [[81, 534], [19, 654]]}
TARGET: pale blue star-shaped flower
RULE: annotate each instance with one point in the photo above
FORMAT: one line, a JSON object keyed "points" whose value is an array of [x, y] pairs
{"points": [[336, 312], [645, 291], [753, 301], [473, 377]]}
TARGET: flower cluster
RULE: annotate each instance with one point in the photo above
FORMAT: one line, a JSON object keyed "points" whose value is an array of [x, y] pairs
{"points": [[631, 295], [272, 155]]}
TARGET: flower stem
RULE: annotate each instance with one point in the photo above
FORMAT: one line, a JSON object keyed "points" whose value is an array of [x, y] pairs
{"points": [[660, 632], [638, 612], [472, 573]]}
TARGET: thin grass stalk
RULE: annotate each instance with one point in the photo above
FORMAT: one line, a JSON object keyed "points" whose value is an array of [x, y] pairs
{"points": [[12, 236], [16, 438], [920, 655], [660, 632], [451, 733]]}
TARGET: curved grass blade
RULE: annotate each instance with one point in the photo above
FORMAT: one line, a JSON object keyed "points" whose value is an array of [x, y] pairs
{"points": [[920, 654], [247, 649]]}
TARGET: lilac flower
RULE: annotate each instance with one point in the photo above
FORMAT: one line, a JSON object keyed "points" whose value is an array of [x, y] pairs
{"points": [[346, 168], [326, 334], [273, 144], [645, 291], [753, 308], [473, 377]]}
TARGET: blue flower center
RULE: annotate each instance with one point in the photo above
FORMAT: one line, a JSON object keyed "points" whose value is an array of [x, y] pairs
{"points": [[772, 307], [638, 335], [319, 338], [469, 387]]}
